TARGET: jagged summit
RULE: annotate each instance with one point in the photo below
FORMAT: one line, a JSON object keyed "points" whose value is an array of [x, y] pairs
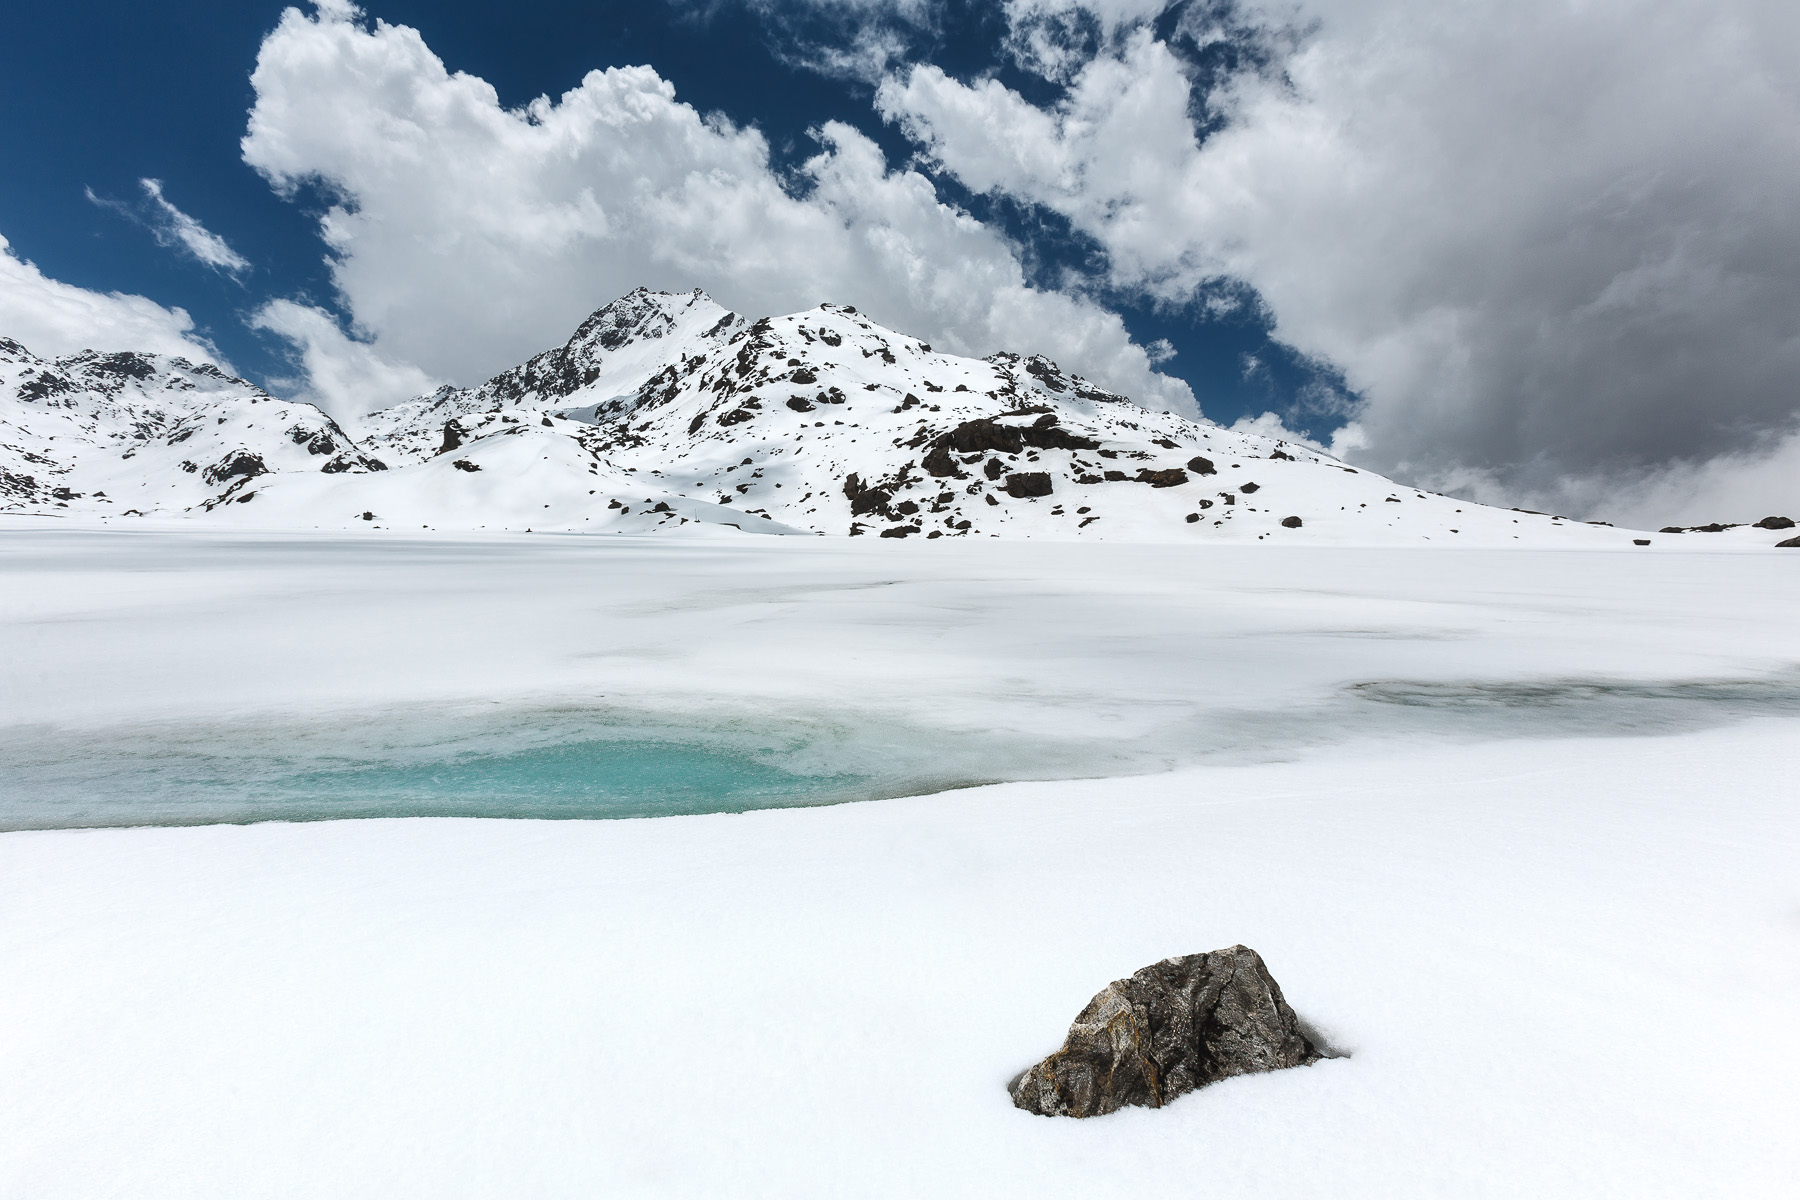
{"points": [[605, 361], [666, 412]]}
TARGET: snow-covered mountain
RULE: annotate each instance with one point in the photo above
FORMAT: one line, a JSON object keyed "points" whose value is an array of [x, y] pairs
{"points": [[125, 434], [667, 412]]}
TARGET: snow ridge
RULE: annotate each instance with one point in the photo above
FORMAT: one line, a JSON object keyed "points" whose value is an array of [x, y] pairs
{"points": [[666, 412]]}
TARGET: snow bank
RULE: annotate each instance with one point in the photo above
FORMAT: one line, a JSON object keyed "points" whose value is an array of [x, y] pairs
{"points": [[1563, 968]]}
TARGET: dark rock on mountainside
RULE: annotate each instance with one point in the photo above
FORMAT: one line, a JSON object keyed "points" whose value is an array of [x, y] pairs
{"points": [[984, 434], [1775, 523], [1177, 1025], [1026, 484], [1792, 543], [1168, 477], [940, 464], [240, 464]]}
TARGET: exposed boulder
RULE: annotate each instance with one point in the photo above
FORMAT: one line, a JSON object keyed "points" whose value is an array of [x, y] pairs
{"points": [[1046, 434], [1202, 466], [1026, 484], [1167, 477], [1291, 522], [869, 500], [1775, 523], [939, 462], [1792, 543], [864, 499], [985, 434], [988, 434], [1177, 1025]]}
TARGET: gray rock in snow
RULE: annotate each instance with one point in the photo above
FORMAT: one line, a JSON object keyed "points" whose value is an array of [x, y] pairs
{"points": [[1177, 1025]]}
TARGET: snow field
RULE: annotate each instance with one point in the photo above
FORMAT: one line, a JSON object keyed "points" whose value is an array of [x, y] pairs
{"points": [[1110, 642], [1562, 968]]}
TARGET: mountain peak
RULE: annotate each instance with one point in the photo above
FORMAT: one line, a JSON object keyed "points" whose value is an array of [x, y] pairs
{"points": [[640, 313], [666, 412]]}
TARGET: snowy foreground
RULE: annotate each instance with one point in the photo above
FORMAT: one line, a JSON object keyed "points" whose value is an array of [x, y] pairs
{"points": [[1515, 829]]}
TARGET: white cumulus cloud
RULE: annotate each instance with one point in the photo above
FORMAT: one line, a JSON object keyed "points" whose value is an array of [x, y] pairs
{"points": [[467, 236], [342, 376], [51, 318], [1552, 246]]}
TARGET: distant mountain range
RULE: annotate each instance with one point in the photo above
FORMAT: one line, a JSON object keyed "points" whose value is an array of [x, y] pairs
{"points": [[667, 413]]}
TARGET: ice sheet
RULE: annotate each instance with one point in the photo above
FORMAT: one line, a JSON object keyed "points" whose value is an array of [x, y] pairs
{"points": [[182, 676]]}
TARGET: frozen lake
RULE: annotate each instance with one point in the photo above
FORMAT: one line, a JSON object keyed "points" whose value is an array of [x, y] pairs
{"points": [[182, 677]]}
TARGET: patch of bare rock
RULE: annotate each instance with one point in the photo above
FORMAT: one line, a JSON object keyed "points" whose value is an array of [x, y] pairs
{"points": [[1170, 1028]]}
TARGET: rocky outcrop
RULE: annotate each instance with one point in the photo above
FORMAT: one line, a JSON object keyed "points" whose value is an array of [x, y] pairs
{"points": [[239, 464], [1177, 1025], [1168, 477]]}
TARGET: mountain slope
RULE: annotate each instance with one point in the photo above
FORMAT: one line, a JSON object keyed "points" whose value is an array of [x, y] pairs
{"points": [[142, 433], [667, 412]]}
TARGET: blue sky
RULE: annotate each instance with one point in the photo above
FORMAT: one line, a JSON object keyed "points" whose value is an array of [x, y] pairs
{"points": [[100, 95], [1524, 251]]}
